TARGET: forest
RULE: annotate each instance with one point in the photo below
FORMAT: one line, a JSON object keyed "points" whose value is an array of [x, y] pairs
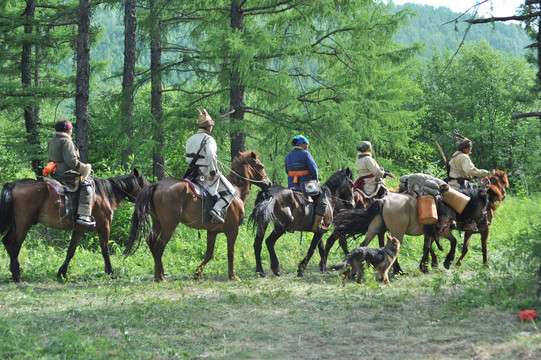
{"points": [[130, 75], [337, 72]]}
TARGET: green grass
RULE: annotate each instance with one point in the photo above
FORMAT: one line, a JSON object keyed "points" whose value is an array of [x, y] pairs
{"points": [[461, 313]]}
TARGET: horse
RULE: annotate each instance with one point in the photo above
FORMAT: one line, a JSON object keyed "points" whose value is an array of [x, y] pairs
{"points": [[398, 214], [172, 201], [278, 205], [27, 202], [496, 183]]}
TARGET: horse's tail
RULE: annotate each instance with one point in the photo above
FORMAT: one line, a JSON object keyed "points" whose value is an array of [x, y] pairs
{"points": [[263, 212], [7, 214], [140, 222], [356, 221]]}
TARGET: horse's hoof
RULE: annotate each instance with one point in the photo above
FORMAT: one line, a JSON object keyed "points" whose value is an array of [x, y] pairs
{"points": [[458, 263], [300, 273], [160, 279], [447, 265], [276, 272], [261, 274]]}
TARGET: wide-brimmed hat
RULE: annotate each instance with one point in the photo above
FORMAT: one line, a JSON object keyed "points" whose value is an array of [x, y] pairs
{"points": [[204, 119]]}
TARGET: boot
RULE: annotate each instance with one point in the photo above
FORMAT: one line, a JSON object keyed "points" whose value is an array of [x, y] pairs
{"points": [[317, 223]]}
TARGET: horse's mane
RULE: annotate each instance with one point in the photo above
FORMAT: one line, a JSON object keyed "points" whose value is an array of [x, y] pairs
{"points": [[116, 188], [499, 175], [238, 163], [337, 179]]}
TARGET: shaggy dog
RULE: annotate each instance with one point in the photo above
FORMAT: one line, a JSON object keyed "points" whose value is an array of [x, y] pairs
{"points": [[380, 258]]}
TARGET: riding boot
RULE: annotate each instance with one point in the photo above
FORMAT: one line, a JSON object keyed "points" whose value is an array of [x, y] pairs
{"points": [[317, 223]]}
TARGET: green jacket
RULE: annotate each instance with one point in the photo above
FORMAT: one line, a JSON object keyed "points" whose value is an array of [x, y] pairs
{"points": [[63, 151]]}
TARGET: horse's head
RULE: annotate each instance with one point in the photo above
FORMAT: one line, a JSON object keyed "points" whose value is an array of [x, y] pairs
{"points": [[253, 169], [498, 182], [340, 186]]}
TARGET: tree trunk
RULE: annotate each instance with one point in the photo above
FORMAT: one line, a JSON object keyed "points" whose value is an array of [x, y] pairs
{"points": [[30, 114], [236, 92], [128, 76], [158, 166], [83, 79]]}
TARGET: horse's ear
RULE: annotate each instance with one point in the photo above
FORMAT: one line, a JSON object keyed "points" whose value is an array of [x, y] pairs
{"points": [[253, 155], [136, 172], [199, 111]]}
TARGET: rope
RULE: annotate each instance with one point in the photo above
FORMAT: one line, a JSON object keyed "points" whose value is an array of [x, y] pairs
{"points": [[240, 176]]}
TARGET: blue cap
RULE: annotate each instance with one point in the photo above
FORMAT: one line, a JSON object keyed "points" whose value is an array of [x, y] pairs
{"points": [[298, 140]]}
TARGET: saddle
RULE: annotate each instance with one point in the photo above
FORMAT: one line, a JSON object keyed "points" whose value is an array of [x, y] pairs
{"points": [[206, 200], [308, 206], [70, 195]]}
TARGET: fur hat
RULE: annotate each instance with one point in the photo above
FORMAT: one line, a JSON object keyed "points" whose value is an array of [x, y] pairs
{"points": [[204, 119], [461, 141], [364, 146]]}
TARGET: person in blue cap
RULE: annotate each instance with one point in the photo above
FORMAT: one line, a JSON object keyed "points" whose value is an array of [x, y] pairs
{"points": [[302, 169]]}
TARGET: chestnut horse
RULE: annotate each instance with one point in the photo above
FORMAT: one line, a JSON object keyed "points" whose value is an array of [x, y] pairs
{"points": [[27, 202], [278, 205], [496, 185], [172, 201]]}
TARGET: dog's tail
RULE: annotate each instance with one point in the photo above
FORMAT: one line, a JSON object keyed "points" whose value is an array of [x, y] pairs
{"points": [[341, 266]]}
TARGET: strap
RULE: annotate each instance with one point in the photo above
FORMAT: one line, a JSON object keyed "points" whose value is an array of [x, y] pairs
{"points": [[196, 156], [295, 174]]}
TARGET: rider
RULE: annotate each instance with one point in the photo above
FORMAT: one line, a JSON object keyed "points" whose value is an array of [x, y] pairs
{"points": [[301, 167], [64, 156], [461, 168], [370, 173], [204, 147]]}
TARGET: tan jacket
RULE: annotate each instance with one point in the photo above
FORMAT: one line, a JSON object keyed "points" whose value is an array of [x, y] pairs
{"points": [[461, 166], [367, 165]]}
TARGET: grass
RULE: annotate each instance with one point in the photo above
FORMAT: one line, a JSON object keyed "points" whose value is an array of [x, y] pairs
{"points": [[461, 313]]}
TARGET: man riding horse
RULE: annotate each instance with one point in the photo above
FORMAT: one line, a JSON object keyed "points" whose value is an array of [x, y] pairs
{"points": [[64, 166], [201, 154], [461, 169], [371, 175], [303, 176]]}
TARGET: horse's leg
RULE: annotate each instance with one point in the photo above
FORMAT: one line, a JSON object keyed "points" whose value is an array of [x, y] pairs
{"points": [[258, 244], [428, 239], [484, 239], [104, 234], [75, 238], [13, 241], [270, 241], [434, 257], [465, 246], [231, 239], [451, 255], [328, 246], [316, 241], [211, 242], [157, 240]]}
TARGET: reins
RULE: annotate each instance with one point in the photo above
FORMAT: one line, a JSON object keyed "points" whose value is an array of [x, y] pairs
{"points": [[242, 177]]}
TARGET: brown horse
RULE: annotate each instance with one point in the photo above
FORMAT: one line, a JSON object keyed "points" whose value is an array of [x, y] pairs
{"points": [[26, 202], [278, 205], [172, 201], [496, 184]]}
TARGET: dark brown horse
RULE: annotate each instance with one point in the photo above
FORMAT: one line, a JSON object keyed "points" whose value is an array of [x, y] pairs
{"points": [[27, 202], [278, 205], [172, 201], [496, 186]]}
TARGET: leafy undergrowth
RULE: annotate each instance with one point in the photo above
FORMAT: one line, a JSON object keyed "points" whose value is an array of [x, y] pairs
{"points": [[468, 312]]}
